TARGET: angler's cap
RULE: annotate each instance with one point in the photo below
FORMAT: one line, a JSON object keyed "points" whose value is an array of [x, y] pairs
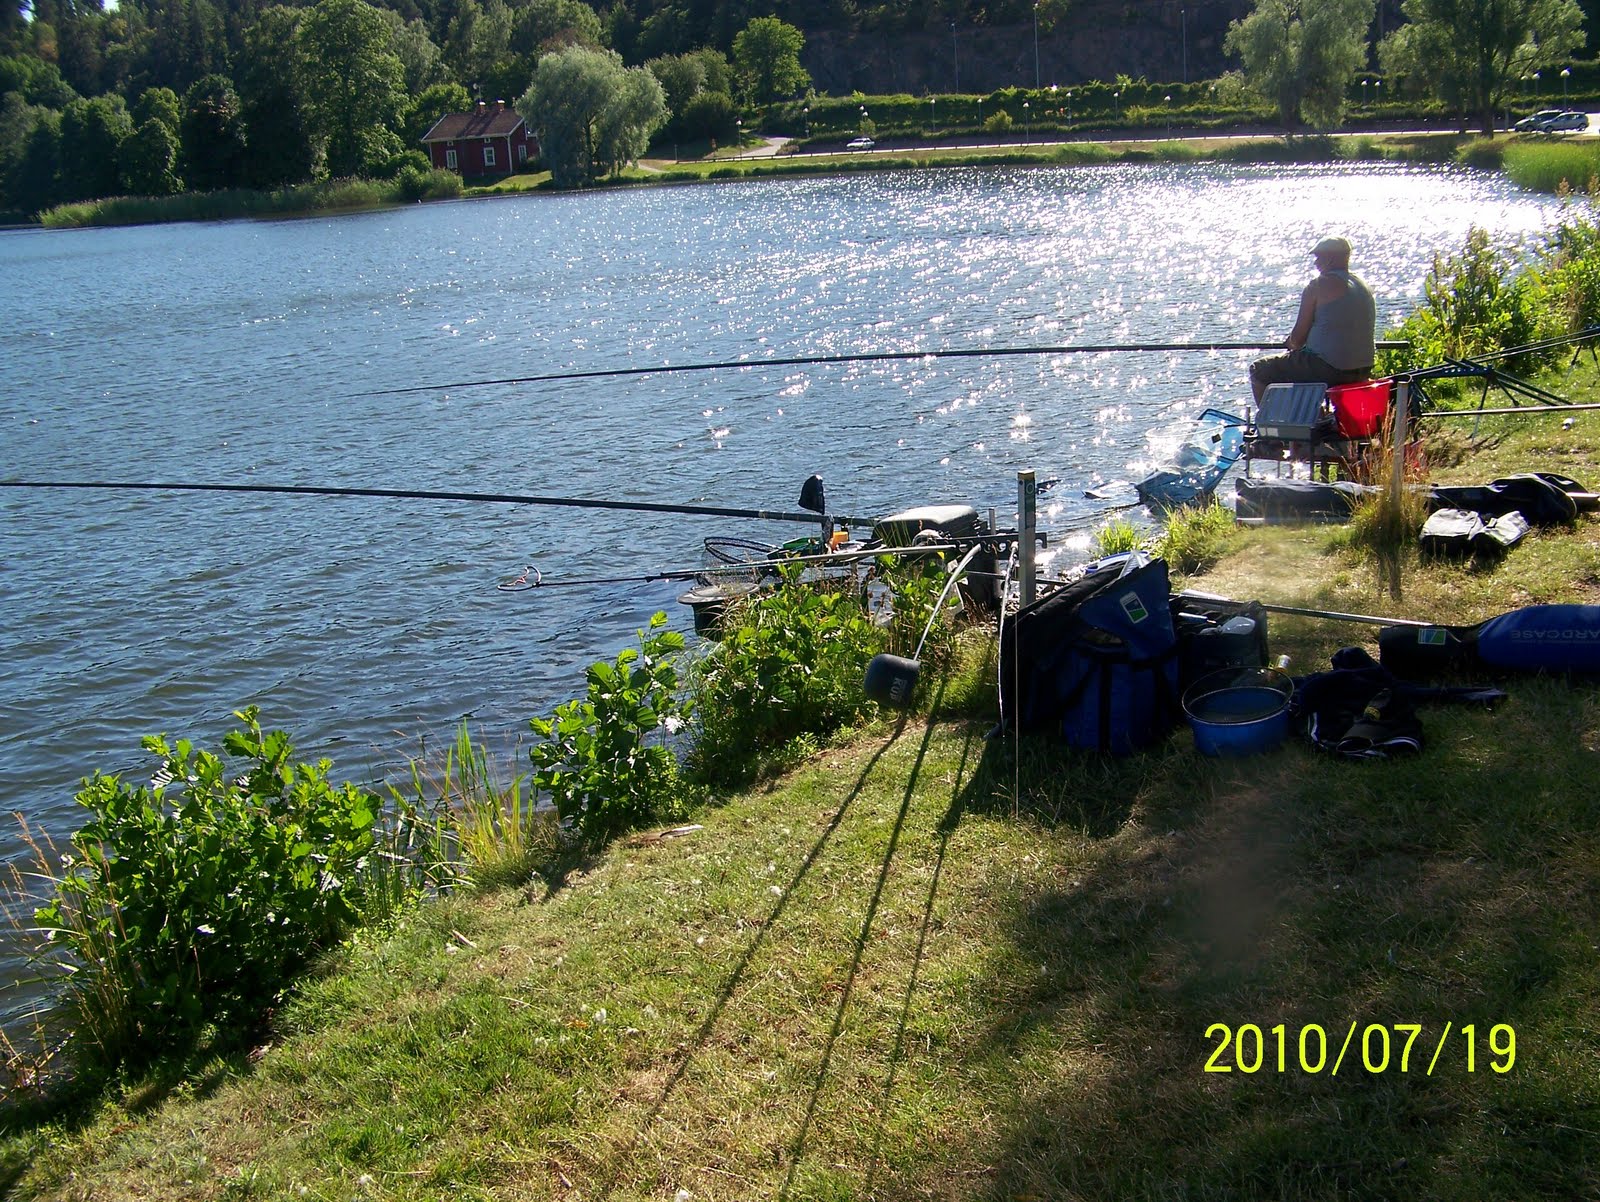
{"points": [[1338, 247]]}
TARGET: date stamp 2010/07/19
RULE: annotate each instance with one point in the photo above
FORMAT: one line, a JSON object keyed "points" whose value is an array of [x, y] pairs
{"points": [[1372, 1047]]}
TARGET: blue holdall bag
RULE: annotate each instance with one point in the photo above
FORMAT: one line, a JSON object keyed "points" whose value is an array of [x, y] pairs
{"points": [[1096, 660]]}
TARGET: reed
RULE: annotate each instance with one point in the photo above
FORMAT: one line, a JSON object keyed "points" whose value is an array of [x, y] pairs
{"points": [[496, 832], [1548, 165]]}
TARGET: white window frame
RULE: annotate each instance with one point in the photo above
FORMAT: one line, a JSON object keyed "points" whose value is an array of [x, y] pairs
{"points": [[488, 155], [450, 157]]}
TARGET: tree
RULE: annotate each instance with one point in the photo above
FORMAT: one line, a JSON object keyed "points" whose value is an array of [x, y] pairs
{"points": [[423, 61], [592, 114], [354, 85], [212, 133], [159, 104], [147, 161], [284, 149], [1301, 54], [1471, 53], [635, 112], [434, 103], [546, 25], [766, 54], [34, 183], [91, 135]]}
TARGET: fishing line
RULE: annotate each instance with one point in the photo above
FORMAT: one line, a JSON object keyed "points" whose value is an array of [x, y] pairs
{"points": [[717, 511], [826, 360], [997, 352]]}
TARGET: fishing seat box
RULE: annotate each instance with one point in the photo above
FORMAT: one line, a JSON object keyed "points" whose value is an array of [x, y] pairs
{"points": [[980, 588], [901, 529], [1291, 412]]}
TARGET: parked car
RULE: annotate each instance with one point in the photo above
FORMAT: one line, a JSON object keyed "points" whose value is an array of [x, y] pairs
{"points": [[1554, 121], [1537, 121], [862, 143]]}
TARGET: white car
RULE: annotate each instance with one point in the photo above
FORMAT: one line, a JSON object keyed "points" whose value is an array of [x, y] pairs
{"points": [[862, 144]]}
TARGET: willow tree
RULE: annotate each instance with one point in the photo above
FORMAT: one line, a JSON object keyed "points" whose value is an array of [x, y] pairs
{"points": [[1302, 54], [1471, 53], [591, 113]]}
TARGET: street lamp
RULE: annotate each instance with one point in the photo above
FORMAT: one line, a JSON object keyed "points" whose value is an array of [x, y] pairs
{"points": [[1183, 17], [1363, 91], [1036, 46], [1069, 106], [1116, 98], [1536, 86], [805, 111], [1027, 124], [931, 118], [1565, 75], [1169, 114]]}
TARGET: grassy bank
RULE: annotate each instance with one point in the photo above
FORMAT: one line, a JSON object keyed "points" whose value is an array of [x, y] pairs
{"points": [[929, 965]]}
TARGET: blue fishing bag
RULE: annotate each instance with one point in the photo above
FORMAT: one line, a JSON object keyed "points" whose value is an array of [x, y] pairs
{"points": [[1095, 661]]}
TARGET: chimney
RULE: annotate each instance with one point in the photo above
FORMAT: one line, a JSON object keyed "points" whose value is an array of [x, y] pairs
{"points": [[499, 106]]}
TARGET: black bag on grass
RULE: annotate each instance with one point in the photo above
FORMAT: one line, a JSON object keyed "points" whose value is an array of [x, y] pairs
{"points": [[1095, 661]]}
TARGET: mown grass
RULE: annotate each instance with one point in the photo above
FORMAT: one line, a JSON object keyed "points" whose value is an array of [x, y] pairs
{"points": [[927, 964]]}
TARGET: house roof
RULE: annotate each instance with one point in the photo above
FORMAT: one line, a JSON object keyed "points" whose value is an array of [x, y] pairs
{"points": [[486, 121]]}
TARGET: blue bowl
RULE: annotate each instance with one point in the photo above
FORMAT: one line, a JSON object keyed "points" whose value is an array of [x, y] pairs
{"points": [[1239, 711]]}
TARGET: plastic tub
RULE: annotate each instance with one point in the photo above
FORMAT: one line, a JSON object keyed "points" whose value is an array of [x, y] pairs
{"points": [[1239, 711], [1359, 409]]}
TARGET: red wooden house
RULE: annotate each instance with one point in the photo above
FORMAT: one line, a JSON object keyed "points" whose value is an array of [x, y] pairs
{"points": [[491, 140]]}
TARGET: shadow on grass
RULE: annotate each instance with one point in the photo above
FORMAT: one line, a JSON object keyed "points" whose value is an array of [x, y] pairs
{"points": [[798, 1148], [1376, 911], [623, 1158]]}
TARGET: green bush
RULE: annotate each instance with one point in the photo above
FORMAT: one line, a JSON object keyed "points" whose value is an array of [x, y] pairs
{"points": [[595, 761], [790, 662], [1571, 272], [1476, 303], [197, 900]]}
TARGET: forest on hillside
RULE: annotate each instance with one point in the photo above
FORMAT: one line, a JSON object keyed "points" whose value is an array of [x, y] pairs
{"points": [[159, 97]]}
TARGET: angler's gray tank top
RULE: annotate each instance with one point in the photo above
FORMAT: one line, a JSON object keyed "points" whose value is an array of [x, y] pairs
{"points": [[1342, 330]]}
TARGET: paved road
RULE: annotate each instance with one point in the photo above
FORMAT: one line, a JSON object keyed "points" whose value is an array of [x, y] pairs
{"points": [[772, 146]]}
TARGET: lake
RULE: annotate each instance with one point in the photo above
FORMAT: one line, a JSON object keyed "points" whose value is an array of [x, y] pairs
{"points": [[250, 352]]}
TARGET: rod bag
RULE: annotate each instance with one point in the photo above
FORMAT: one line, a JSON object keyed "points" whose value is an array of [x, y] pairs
{"points": [[1536, 638]]}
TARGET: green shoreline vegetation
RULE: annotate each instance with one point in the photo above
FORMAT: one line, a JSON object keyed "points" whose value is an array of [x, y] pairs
{"points": [[836, 952], [1535, 163]]}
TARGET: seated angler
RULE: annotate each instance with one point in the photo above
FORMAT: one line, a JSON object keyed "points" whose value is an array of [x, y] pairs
{"points": [[1333, 337]]}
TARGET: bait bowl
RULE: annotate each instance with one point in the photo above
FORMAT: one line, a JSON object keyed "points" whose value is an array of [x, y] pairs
{"points": [[1239, 711]]}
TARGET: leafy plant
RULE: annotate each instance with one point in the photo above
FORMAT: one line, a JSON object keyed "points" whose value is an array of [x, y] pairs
{"points": [[1116, 536], [790, 662], [1476, 303], [198, 898], [595, 761]]}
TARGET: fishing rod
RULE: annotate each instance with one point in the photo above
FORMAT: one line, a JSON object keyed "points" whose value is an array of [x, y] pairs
{"points": [[718, 511], [531, 578], [864, 357]]}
